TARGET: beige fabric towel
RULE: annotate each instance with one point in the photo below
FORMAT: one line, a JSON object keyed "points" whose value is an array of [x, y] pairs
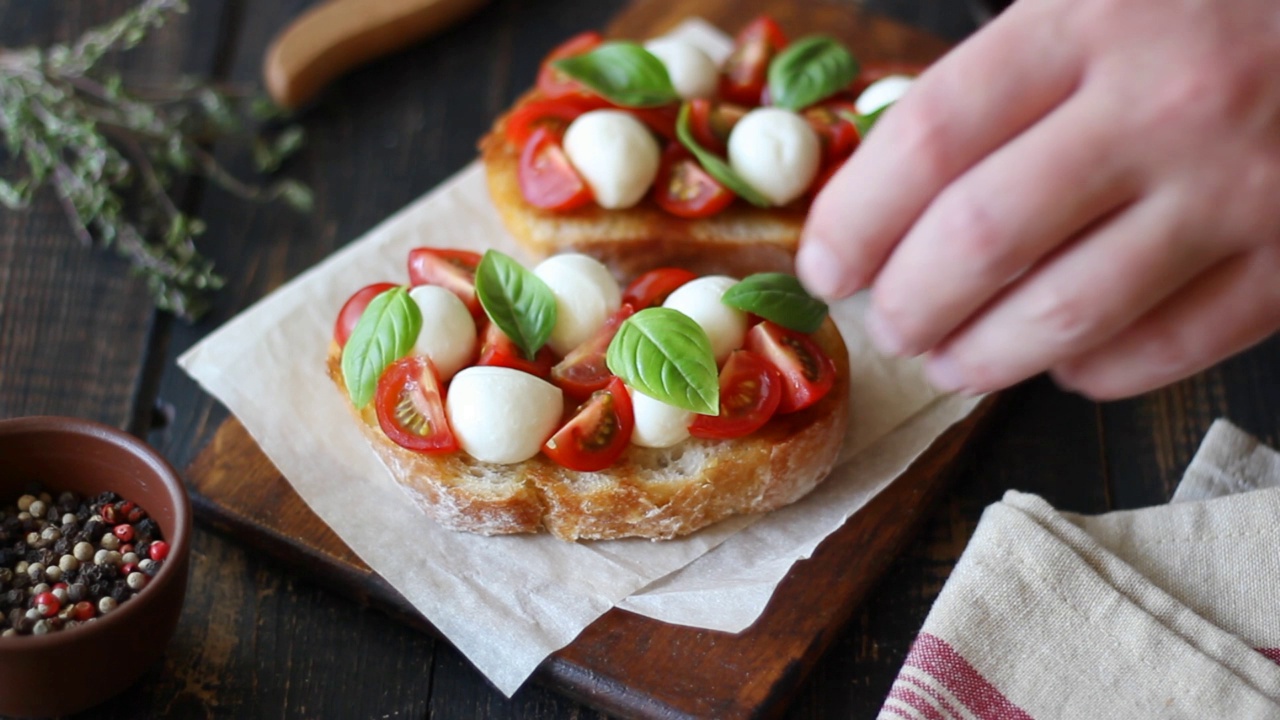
{"points": [[1166, 612]]}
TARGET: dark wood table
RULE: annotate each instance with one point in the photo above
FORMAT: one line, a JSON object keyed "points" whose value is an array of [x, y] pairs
{"points": [[78, 337]]}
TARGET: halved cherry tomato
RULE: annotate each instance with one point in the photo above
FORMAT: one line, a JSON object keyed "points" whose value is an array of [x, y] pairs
{"points": [[750, 390], [598, 432], [807, 372], [410, 406], [838, 136], [553, 113], [554, 83], [498, 349], [453, 270], [653, 287], [711, 122], [547, 179], [684, 189], [353, 308], [742, 79], [661, 120], [583, 370]]}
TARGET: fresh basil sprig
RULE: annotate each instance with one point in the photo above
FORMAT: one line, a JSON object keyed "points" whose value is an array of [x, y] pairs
{"points": [[864, 123], [623, 73], [516, 300], [664, 354], [385, 333], [811, 69], [717, 168], [780, 298]]}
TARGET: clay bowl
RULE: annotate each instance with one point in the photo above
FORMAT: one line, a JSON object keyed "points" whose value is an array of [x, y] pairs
{"points": [[65, 672]]}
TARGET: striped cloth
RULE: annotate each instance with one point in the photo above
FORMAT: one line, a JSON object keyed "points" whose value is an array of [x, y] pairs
{"points": [[1166, 612]]}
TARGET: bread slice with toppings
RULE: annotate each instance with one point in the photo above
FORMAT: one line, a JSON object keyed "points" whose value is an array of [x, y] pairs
{"points": [[651, 493]]}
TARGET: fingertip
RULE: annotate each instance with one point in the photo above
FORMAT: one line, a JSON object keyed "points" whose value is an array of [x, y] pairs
{"points": [[823, 271]]}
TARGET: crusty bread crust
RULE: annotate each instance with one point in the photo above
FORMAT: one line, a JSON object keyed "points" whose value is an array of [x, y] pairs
{"points": [[739, 241], [652, 493]]}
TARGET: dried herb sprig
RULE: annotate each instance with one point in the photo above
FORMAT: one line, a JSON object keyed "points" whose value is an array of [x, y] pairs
{"points": [[111, 154]]}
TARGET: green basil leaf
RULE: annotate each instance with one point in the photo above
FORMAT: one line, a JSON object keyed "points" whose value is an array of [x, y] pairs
{"points": [[516, 300], [385, 333], [778, 297], [715, 167], [666, 355], [810, 70], [623, 73], [864, 123]]}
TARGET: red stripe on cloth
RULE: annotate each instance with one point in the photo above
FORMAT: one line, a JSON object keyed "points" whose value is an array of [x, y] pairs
{"points": [[916, 702], [932, 655], [895, 710], [1272, 654], [937, 696]]}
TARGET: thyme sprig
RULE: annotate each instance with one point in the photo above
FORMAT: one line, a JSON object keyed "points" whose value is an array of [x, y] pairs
{"points": [[111, 154]]}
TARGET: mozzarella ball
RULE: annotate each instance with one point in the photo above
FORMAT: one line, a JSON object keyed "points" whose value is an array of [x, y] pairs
{"points": [[658, 424], [501, 415], [700, 300], [692, 72], [884, 91], [448, 334], [615, 154], [776, 153], [586, 295]]}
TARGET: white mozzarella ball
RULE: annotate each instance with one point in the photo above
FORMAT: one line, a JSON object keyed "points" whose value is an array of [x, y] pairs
{"points": [[501, 415], [615, 154], [700, 300], [776, 152], [692, 72], [882, 92], [658, 424], [586, 295], [448, 334]]}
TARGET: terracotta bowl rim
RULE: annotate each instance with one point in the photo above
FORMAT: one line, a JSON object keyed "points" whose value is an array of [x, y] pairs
{"points": [[178, 543]]}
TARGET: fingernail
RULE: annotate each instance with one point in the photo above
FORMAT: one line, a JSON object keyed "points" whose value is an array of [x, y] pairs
{"points": [[883, 336], [820, 269], [943, 373]]}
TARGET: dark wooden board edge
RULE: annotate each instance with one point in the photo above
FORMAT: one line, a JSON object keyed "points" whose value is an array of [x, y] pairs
{"points": [[624, 663]]}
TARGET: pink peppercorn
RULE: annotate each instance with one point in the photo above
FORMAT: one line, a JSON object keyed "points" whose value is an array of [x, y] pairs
{"points": [[135, 514], [110, 515], [46, 603], [83, 610], [128, 568], [124, 532], [159, 550]]}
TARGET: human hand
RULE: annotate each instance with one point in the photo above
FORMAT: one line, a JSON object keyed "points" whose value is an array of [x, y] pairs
{"points": [[1089, 187]]}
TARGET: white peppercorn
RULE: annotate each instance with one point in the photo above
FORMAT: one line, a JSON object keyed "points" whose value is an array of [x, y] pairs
{"points": [[106, 605], [38, 509], [70, 519], [24, 502], [130, 557], [68, 563], [136, 581], [83, 551], [53, 573], [50, 534], [110, 542]]}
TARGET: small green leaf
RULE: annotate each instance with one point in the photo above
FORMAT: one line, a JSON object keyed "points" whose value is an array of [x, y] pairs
{"points": [[666, 355], [780, 298], [864, 123], [623, 73], [385, 333], [810, 70], [716, 167], [516, 300]]}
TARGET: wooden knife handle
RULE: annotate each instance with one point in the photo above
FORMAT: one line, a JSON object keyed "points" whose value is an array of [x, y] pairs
{"points": [[335, 36]]}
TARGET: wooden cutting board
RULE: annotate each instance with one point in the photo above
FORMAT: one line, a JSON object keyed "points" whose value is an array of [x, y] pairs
{"points": [[627, 664]]}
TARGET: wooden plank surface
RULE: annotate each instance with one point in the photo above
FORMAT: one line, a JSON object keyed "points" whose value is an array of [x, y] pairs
{"points": [[256, 640]]}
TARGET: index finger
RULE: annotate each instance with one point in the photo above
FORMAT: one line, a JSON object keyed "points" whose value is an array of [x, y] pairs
{"points": [[987, 91]]}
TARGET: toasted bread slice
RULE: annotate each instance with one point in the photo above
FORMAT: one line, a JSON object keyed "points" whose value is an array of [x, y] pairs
{"points": [[739, 241], [652, 493]]}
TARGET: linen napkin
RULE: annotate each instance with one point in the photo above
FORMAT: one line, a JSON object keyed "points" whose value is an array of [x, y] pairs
{"points": [[1165, 612]]}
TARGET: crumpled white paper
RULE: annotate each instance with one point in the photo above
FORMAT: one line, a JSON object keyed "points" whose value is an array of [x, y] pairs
{"points": [[508, 602]]}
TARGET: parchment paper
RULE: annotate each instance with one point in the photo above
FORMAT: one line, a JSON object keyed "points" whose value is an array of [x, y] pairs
{"points": [[508, 602]]}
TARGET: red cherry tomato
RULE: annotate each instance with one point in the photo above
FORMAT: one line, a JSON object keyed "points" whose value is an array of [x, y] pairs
{"points": [[684, 189], [547, 179], [353, 308], [652, 288], [824, 176], [598, 432], [410, 407], [711, 122], [583, 370], [750, 390], [453, 270], [498, 349], [661, 120], [552, 113], [807, 372], [742, 79], [838, 136], [554, 83]]}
